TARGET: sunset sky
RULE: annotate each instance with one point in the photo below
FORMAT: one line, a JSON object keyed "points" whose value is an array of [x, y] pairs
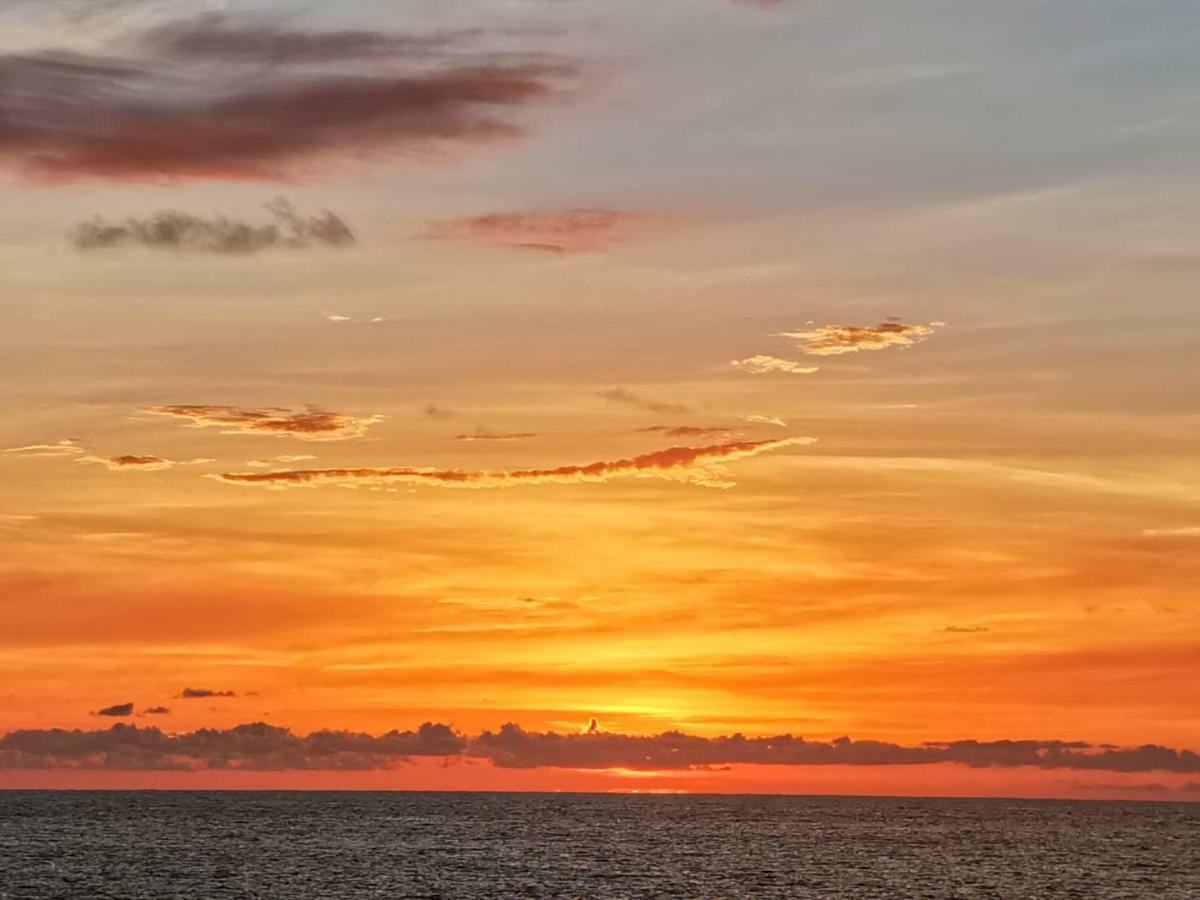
{"points": [[701, 368]]}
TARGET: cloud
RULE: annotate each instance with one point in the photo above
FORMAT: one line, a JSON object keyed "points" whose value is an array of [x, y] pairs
{"points": [[764, 420], [311, 425], [690, 465], [172, 230], [434, 411], [212, 100], [288, 458], [202, 693], [482, 434], [564, 231], [684, 431], [69, 447], [765, 365], [966, 629], [118, 711], [832, 340], [139, 463], [628, 398], [1186, 531], [262, 747], [156, 711]]}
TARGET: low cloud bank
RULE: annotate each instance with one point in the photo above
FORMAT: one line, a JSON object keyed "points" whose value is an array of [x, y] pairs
{"points": [[262, 747]]}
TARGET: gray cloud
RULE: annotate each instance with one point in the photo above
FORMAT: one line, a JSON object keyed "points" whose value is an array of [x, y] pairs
{"points": [[629, 398], [173, 230], [263, 747], [199, 693], [119, 710]]}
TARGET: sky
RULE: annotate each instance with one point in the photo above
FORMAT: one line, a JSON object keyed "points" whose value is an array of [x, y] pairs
{"points": [[680, 395]]}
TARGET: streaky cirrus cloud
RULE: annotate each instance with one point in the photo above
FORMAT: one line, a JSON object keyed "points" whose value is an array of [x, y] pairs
{"points": [[690, 465], [764, 420], [189, 693], [116, 711], [262, 747], [483, 434], [629, 398], [174, 230], [558, 231], [833, 340], [312, 424], [221, 112], [685, 431], [767, 365], [68, 447]]}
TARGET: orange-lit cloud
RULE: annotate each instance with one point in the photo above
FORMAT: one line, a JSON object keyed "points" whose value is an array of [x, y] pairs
{"points": [[832, 340], [482, 434], [766, 365], [131, 463], [69, 447], [691, 465], [560, 231], [311, 425], [685, 431]]}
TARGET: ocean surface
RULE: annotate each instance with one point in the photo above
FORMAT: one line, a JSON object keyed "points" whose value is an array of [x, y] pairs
{"points": [[327, 846]]}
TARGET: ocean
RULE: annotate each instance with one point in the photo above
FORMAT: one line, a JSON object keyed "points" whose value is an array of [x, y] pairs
{"points": [[328, 846]]}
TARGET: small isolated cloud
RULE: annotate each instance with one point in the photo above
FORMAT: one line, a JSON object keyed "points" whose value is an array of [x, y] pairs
{"points": [[275, 460], [684, 431], [117, 711], [203, 693], [173, 230], [483, 434], [69, 447], [434, 411], [1187, 531], [833, 340], [139, 463], [767, 365], [261, 747], [562, 231], [156, 711], [966, 629], [339, 319], [313, 424], [764, 420], [690, 465], [629, 398]]}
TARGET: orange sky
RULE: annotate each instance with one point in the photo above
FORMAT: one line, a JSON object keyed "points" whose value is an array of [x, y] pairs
{"points": [[692, 384]]}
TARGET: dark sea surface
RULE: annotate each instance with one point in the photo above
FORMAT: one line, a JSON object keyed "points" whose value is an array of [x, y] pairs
{"points": [[326, 846]]}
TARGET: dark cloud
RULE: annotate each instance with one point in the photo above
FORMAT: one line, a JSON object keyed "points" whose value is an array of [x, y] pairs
{"points": [[156, 711], [265, 747], [560, 231], [439, 412], [313, 424], [201, 104], [629, 398], [119, 710], [172, 230], [692, 465], [200, 693]]}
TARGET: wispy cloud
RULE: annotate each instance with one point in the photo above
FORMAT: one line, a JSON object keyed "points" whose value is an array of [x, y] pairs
{"points": [[262, 747], [190, 693], [483, 434], [764, 420], [173, 230], [766, 365], [130, 463], [832, 340], [313, 424], [691, 465], [685, 431], [629, 398], [213, 99], [434, 411], [69, 447], [562, 231]]}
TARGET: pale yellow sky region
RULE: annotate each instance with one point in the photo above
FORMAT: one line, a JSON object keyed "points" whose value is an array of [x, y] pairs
{"points": [[704, 367]]}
